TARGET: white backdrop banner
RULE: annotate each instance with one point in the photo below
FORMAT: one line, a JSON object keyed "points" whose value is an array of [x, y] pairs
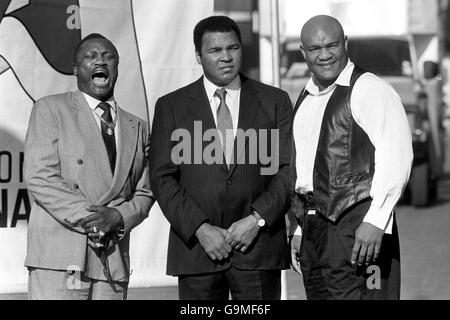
{"points": [[37, 40]]}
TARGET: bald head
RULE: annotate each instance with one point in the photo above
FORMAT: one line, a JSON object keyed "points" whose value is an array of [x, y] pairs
{"points": [[317, 26], [324, 47]]}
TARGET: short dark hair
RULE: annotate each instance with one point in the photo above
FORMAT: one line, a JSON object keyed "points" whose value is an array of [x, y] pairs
{"points": [[214, 24], [89, 37]]}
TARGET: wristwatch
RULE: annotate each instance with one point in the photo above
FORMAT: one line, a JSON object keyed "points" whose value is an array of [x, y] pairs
{"points": [[260, 221]]}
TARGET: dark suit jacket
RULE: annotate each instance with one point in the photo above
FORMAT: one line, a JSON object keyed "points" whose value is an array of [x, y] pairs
{"points": [[190, 194]]}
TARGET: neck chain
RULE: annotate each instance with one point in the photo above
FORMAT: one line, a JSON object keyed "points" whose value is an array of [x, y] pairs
{"points": [[110, 125]]}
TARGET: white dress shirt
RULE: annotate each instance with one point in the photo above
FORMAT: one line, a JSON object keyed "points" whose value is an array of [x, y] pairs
{"points": [[232, 96], [97, 113], [378, 110]]}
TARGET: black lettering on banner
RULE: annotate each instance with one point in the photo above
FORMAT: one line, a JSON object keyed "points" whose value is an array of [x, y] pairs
{"points": [[21, 159], [4, 209], [5, 156], [22, 197]]}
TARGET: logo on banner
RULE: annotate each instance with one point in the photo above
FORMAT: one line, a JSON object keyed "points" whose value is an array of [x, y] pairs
{"points": [[55, 29]]}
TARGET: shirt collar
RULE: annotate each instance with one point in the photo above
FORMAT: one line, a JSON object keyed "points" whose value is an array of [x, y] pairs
{"points": [[342, 80], [93, 103], [232, 88]]}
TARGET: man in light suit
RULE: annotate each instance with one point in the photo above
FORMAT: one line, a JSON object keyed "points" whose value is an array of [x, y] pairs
{"points": [[226, 215], [86, 168]]}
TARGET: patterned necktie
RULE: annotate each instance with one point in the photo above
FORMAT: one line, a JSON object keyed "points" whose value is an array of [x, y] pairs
{"points": [[225, 125], [107, 126]]}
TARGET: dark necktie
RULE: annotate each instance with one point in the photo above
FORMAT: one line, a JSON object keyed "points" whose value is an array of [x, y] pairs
{"points": [[107, 125], [225, 125]]}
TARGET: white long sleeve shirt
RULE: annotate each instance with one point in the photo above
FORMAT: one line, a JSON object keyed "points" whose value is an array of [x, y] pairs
{"points": [[378, 110]]}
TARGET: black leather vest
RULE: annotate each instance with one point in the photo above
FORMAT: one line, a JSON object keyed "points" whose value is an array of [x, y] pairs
{"points": [[344, 163]]}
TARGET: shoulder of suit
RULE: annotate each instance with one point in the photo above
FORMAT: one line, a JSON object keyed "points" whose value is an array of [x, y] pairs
{"points": [[263, 88], [56, 102], [182, 92], [59, 97], [134, 117]]}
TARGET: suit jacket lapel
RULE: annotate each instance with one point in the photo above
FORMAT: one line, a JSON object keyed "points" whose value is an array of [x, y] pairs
{"points": [[93, 139], [248, 107], [128, 134], [299, 101], [200, 106]]}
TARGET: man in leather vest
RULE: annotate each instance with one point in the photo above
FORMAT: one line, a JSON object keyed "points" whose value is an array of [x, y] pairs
{"points": [[351, 162]]}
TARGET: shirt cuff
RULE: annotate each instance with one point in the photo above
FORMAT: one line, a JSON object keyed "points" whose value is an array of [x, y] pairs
{"points": [[380, 218]]}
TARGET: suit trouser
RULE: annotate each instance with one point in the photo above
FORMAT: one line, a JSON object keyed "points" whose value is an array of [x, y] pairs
{"points": [[325, 259], [242, 284], [46, 284]]}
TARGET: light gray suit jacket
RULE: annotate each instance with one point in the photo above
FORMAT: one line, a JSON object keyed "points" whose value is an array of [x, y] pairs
{"points": [[67, 168]]}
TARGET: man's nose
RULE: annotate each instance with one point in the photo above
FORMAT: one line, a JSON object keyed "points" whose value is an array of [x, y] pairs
{"points": [[325, 54], [100, 59], [226, 56]]}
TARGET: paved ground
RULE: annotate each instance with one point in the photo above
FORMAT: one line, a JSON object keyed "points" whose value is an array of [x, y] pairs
{"points": [[424, 244]]}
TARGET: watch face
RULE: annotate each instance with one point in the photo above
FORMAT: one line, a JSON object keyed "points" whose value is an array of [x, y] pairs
{"points": [[261, 222]]}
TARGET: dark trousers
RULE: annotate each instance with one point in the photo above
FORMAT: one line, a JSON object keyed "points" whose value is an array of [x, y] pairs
{"points": [[325, 260], [242, 284]]}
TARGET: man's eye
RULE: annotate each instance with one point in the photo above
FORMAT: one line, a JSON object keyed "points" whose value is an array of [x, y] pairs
{"points": [[90, 55]]}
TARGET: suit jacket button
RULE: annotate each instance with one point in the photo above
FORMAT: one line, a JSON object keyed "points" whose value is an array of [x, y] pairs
{"points": [[80, 161], [229, 182], [76, 186]]}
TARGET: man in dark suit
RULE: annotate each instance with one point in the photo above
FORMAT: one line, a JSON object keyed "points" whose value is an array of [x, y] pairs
{"points": [[226, 208]]}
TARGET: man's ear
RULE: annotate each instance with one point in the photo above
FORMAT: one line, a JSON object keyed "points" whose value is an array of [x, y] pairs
{"points": [[198, 56], [346, 43], [75, 69], [302, 50]]}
